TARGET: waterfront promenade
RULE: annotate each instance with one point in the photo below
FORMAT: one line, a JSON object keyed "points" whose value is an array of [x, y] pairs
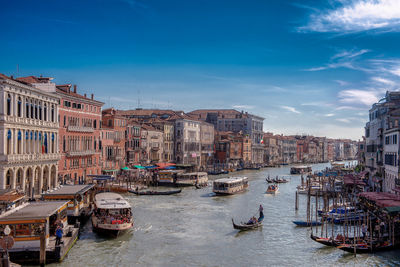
{"points": [[194, 229]]}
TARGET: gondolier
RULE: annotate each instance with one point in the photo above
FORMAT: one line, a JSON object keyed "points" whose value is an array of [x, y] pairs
{"points": [[261, 210]]}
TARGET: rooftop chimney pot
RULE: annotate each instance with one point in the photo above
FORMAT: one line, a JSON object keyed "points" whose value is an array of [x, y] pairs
{"points": [[84, 95], [92, 96], [75, 88]]}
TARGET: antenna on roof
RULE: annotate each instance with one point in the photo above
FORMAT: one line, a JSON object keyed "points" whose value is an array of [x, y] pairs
{"points": [[138, 101]]}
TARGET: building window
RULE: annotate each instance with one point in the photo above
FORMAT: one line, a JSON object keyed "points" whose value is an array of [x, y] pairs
{"points": [[9, 142], [19, 143], [95, 124], [19, 107], [8, 104], [26, 108], [32, 110], [36, 110], [52, 113], [394, 139], [40, 111]]}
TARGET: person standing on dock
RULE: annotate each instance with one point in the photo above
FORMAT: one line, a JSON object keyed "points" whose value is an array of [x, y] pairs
{"points": [[364, 230], [59, 234]]}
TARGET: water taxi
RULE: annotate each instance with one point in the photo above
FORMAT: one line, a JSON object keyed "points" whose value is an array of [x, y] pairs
{"points": [[191, 179], [230, 186], [168, 177], [300, 169], [272, 189], [112, 214]]}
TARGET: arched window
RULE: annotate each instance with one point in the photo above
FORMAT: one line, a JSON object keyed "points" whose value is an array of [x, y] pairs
{"points": [[8, 179], [36, 110], [45, 147], [52, 143], [45, 112], [8, 104], [52, 113], [9, 136], [19, 107], [40, 110], [19, 143], [63, 143], [32, 110], [26, 108], [95, 124]]}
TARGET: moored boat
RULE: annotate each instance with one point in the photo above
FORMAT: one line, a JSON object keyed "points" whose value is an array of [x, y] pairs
{"points": [[307, 224], [230, 186], [112, 214], [300, 169], [154, 193], [366, 247], [191, 179]]}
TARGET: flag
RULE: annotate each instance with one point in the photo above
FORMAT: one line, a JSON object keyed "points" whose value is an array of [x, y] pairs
{"points": [[262, 141], [41, 142]]}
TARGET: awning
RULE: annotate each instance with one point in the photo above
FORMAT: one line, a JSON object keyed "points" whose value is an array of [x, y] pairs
{"points": [[184, 165], [125, 169], [164, 165], [139, 167], [151, 167]]}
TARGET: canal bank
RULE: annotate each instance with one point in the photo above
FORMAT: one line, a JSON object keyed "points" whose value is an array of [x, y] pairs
{"points": [[193, 228]]}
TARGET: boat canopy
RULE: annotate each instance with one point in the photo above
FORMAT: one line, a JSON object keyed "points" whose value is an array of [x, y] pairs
{"points": [[139, 167], [111, 201], [231, 180]]}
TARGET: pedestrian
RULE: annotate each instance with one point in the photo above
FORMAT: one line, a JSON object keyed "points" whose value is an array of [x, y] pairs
{"points": [[59, 234], [364, 230]]}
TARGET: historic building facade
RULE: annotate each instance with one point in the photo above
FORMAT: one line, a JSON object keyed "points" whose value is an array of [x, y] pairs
{"points": [[80, 119], [29, 151]]}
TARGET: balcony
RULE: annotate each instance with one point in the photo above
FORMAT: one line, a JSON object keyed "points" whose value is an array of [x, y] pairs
{"points": [[29, 121], [81, 129], [18, 158], [80, 153]]}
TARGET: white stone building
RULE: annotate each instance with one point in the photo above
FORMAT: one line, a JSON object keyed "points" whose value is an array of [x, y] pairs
{"points": [[29, 137]]}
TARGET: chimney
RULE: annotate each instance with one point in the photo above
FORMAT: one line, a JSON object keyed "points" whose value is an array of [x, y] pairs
{"points": [[12, 77], [92, 96], [84, 95], [75, 88]]}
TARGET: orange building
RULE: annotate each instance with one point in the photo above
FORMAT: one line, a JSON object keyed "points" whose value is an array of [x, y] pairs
{"points": [[80, 119]]}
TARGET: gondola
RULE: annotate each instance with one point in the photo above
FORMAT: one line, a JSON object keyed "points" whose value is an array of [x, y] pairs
{"points": [[270, 181], [365, 248], [155, 193], [245, 226], [306, 224], [329, 241]]}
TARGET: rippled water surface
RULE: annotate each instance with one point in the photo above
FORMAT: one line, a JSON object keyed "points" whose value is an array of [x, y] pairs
{"points": [[194, 229]]}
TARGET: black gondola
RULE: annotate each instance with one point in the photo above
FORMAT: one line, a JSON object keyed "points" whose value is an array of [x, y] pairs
{"points": [[155, 193], [329, 241], [365, 248], [248, 226]]}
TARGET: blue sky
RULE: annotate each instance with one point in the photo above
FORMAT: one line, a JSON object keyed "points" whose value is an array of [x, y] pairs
{"points": [[307, 66]]}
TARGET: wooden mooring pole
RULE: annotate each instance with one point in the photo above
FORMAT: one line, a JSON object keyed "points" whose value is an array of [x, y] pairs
{"points": [[296, 203], [43, 248]]}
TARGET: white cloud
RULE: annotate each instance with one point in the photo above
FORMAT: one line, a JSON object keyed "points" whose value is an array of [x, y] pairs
{"points": [[344, 120], [243, 106], [383, 80], [344, 59], [291, 109], [357, 15], [358, 97], [329, 115], [342, 83]]}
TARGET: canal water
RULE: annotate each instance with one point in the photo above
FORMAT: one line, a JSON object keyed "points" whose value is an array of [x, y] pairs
{"points": [[194, 229]]}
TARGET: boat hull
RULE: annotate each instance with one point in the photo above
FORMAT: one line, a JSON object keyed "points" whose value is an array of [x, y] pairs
{"points": [[107, 231], [155, 193], [306, 224]]}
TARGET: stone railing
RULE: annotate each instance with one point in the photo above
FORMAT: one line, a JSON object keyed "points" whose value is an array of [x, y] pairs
{"points": [[30, 157], [29, 121], [80, 129]]}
